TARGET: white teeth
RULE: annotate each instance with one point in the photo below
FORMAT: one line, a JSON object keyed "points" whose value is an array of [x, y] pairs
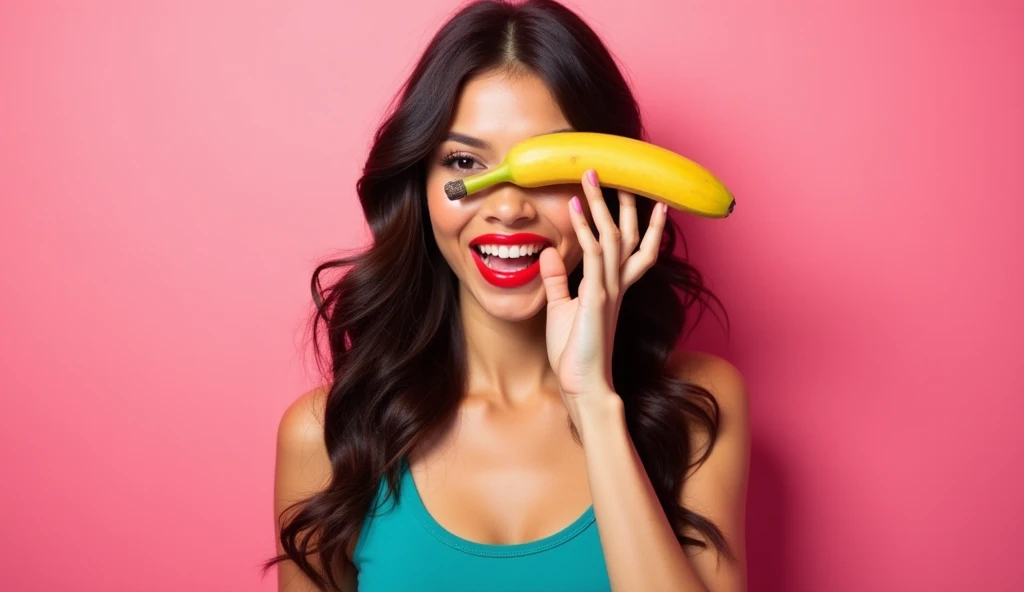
{"points": [[513, 252]]}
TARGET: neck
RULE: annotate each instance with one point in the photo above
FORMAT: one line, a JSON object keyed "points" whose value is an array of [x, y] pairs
{"points": [[507, 361]]}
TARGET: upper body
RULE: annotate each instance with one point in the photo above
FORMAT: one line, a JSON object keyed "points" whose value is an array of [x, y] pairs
{"points": [[486, 381], [520, 477]]}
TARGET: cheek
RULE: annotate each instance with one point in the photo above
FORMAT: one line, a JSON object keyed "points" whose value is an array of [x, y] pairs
{"points": [[447, 219]]}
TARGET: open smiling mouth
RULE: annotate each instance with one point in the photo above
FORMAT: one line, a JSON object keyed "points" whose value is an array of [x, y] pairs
{"points": [[508, 261]]}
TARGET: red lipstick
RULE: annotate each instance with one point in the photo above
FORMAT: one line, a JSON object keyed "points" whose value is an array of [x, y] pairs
{"points": [[508, 279]]}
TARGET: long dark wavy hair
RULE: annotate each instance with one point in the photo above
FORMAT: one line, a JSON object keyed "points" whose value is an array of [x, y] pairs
{"points": [[397, 360]]}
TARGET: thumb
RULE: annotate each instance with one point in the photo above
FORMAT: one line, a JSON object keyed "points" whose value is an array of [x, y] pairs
{"points": [[552, 273]]}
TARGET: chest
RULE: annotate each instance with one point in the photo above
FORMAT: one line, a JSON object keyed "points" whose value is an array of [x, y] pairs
{"points": [[504, 480]]}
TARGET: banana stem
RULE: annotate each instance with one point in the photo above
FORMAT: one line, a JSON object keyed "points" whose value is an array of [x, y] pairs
{"points": [[484, 180]]}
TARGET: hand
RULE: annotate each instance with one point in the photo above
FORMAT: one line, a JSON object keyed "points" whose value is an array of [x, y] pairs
{"points": [[581, 331]]}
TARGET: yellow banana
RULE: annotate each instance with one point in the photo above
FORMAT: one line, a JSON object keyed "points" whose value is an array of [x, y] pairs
{"points": [[623, 163]]}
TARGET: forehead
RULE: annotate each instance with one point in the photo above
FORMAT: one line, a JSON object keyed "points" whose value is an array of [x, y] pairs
{"points": [[502, 104]]}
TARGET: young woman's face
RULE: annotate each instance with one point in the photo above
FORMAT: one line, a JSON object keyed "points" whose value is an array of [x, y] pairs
{"points": [[480, 235]]}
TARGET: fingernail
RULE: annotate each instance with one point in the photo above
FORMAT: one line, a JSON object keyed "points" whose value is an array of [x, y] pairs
{"points": [[575, 203], [664, 208], [592, 177]]}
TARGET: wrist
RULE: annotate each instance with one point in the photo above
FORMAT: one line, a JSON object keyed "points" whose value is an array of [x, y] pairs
{"points": [[598, 415]]}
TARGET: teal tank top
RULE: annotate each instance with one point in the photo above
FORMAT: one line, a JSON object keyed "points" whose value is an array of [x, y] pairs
{"points": [[401, 548]]}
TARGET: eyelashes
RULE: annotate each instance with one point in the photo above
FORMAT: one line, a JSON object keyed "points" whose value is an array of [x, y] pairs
{"points": [[455, 158]]}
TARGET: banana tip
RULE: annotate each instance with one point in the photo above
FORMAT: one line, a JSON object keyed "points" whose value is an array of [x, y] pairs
{"points": [[455, 190], [732, 206]]}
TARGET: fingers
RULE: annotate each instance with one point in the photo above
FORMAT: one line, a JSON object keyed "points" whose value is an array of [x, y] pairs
{"points": [[627, 225], [610, 237], [593, 260], [612, 255], [553, 276], [644, 258]]}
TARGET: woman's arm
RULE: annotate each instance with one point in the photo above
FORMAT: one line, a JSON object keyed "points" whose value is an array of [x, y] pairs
{"points": [[303, 468], [640, 547], [639, 544]]}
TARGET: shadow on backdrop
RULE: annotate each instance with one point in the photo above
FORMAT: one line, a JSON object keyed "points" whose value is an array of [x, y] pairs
{"points": [[767, 512]]}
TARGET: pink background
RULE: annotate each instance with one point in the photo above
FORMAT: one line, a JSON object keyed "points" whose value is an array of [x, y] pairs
{"points": [[171, 173]]}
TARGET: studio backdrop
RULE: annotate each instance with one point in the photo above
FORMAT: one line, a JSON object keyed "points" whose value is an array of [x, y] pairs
{"points": [[171, 173]]}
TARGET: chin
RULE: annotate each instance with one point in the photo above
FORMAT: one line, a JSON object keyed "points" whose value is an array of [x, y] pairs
{"points": [[512, 306]]}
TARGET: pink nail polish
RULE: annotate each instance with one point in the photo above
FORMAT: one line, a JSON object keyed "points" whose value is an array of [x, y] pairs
{"points": [[592, 177], [575, 203]]}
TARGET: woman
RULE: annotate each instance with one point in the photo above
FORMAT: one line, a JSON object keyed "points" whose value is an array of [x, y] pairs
{"points": [[477, 433]]}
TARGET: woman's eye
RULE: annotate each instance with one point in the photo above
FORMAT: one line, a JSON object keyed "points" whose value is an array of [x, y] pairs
{"points": [[458, 162]]}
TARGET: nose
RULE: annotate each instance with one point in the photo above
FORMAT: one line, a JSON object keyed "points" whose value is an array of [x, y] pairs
{"points": [[508, 205]]}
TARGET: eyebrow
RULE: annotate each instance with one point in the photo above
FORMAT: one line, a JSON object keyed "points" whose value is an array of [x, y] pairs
{"points": [[482, 144]]}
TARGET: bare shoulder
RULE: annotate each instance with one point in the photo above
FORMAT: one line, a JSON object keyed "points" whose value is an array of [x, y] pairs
{"points": [[303, 465], [302, 425], [716, 374], [303, 468]]}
